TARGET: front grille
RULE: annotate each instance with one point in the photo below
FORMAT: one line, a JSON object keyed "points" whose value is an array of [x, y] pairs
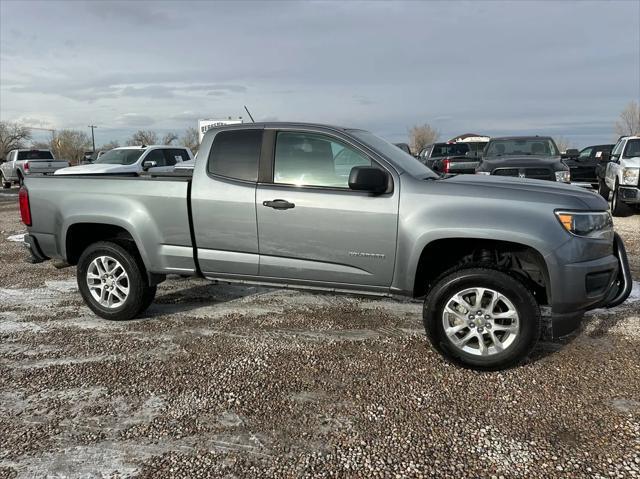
{"points": [[534, 173], [538, 173]]}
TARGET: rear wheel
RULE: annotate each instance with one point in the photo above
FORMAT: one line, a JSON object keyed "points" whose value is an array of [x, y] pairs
{"points": [[618, 208], [603, 189], [113, 282], [482, 318]]}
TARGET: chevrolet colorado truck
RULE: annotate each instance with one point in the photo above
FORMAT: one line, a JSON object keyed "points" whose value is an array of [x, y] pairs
{"points": [[340, 210], [621, 176], [23, 162]]}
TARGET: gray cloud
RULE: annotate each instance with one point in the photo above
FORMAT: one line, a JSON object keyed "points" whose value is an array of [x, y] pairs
{"points": [[503, 67]]}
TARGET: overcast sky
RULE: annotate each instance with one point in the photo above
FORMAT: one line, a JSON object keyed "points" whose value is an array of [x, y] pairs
{"points": [[560, 68]]}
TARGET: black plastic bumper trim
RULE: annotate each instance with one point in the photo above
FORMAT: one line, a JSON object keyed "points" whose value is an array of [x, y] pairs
{"points": [[31, 243]]}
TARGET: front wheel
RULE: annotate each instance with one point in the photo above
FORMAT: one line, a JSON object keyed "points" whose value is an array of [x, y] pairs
{"points": [[112, 281], [603, 189], [618, 208], [482, 318]]}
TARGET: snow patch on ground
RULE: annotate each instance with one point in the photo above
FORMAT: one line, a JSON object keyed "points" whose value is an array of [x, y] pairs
{"points": [[17, 238]]}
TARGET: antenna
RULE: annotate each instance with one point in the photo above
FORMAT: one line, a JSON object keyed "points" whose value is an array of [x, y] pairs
{"points": [[249, 113]]}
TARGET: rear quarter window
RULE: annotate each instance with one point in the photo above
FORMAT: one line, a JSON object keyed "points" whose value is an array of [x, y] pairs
{"points": [[235, 154]]}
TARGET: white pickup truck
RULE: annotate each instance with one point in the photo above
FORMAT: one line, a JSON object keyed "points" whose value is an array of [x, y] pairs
{"points": [[23, 162], [622, 175], [131, 160]]}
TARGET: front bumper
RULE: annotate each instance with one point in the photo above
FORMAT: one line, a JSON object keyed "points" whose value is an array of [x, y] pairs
{"points": [[602, 283], [629, 194]]}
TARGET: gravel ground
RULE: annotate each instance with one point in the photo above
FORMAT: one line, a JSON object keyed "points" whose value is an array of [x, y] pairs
{"points": [[222, 381]]}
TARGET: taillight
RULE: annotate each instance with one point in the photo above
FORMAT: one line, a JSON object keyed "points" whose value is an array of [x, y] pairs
{"points": [[446, 164], [25, 166], [25, 209]]}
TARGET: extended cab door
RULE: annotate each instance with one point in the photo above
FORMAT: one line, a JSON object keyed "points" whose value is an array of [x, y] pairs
{"points": [[312, 227], [223, 202]]}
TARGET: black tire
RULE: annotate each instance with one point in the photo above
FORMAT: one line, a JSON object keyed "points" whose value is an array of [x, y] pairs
{"points": [[618, 208], [140, 293], [522, 299], [603, 189]]}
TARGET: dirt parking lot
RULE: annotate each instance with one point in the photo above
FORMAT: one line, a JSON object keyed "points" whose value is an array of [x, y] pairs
{"points": [[230, 381]]}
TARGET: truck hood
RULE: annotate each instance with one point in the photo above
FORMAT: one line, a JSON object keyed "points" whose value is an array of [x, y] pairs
{"points": [[491, 163], [630, 162], [97, 168], [524, 189]]}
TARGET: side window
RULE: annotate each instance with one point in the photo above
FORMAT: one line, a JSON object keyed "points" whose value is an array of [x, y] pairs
{"points": [[235, 154], [618, 148], [157, 156], [175, 155], [309, 159], [586, 153]]}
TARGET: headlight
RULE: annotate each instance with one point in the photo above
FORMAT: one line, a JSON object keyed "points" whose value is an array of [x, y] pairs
{"points": [[630, 176], [563, 176], [591, 224]]}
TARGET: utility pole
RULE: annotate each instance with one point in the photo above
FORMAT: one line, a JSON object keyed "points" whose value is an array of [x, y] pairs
{"points": [[93, 139]]}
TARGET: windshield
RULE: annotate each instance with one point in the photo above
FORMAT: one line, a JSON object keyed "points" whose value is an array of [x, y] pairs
{"points": [[632, 149], [522, 146], [449, 149], [35, 155], [119, 157], [398, 157]]}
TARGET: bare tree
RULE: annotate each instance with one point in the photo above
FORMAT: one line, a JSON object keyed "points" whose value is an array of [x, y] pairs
{"points": [[169, 138], [12, 136], [143, 137], [190, 139], [70, 145], [629, 122], [562, 143], [109, 146], [421, 136]]}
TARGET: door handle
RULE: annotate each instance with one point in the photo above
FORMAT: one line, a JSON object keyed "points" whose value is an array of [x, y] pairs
{"points": [[279, 204]]}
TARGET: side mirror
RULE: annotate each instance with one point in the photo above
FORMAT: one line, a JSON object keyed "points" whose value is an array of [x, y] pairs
{"points": [[367, 178], [148, 164], [572, 153]]}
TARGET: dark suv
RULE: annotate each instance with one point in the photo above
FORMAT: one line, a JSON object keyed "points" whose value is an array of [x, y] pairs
{"points": [[535, 157]]}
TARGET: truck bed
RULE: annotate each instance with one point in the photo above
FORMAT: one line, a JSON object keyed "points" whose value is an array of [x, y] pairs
{"points": [[154, 210]]}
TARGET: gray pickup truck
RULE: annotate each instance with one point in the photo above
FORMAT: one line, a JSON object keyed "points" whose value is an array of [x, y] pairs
{"points": [[341, 210]]}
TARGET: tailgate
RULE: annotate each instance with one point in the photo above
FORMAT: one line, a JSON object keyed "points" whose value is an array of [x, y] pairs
{"points": [[46, 166]]}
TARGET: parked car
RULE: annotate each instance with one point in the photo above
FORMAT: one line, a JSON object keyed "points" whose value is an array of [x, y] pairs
{"points": [[404, 147], [621, 176], [583, 164], [23, 162], [269, 204], [132, 160], [535, 157], [452, 158]]}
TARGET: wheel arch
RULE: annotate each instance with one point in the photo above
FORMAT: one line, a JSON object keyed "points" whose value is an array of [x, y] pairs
{"points": [[519, 259]]}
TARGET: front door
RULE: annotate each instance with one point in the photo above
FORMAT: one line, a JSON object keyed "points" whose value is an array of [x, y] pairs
{"points": [[312, 227]]}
